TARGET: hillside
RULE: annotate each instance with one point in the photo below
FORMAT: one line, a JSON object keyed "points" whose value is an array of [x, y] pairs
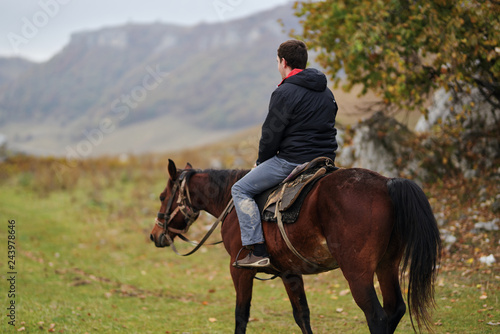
{"points": [[12, 68], [150, 87], [100, 271]]}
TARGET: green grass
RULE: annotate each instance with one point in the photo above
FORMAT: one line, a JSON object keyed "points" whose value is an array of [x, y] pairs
{"points": [[85, 265]]}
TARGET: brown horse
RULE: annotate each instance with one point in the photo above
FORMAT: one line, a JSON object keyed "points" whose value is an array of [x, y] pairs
{"points": [[353, 219]]}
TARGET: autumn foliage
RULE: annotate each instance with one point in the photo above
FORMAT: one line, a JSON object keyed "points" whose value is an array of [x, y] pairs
{"points": [[404, 51]]}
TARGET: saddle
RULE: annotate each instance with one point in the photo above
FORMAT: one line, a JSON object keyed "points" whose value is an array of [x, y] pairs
{"points": [[288, 196]]}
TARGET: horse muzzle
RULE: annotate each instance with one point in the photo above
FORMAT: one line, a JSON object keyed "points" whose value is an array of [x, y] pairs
{"points": [[161, 241]]}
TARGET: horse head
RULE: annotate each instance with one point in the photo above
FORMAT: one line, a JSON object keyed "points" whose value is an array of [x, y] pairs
{"points": [[176, 212]]}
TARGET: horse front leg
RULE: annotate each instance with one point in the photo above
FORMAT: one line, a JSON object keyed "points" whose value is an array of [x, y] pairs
{"points": [[294, 285], [243, 284]]}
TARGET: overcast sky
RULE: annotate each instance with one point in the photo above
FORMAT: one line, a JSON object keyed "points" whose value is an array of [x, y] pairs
{"points": [[37, 29]]}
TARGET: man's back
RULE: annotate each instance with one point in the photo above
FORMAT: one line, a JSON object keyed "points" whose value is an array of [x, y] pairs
{"points": [[300, 125]]}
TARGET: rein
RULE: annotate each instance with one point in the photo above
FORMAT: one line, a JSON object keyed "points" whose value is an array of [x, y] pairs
{"points": [[190, 215]]}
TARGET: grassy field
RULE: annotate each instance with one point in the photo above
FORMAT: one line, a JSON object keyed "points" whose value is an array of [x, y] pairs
{"points": [[84, 262]]}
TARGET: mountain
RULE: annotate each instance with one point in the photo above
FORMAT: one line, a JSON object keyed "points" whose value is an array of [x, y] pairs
{"points": [[149, 87], [146, 87], [13, 68]]}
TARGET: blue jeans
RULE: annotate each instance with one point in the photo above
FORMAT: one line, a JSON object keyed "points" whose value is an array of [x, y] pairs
{"points": [[266, 175]]}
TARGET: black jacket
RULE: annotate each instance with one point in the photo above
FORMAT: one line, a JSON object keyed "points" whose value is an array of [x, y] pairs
{"points": [[300, 125]]}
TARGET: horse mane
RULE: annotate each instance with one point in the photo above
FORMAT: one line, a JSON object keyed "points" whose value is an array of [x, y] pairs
{"points": [[222, 179]]}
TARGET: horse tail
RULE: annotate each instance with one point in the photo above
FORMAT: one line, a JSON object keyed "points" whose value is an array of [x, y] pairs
{"points": [[416, 227]]}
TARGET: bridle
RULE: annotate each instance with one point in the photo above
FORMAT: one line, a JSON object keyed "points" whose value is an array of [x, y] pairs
{"points": [[184, 206]]}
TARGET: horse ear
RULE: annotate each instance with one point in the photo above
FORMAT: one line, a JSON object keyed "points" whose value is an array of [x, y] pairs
{"points": [[188, 166], [172, 170]]}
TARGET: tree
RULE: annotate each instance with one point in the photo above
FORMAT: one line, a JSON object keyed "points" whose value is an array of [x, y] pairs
{"points": [[404, 50]]}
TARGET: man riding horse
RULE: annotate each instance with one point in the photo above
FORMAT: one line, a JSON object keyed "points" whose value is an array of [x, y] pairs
{"points": [[299, 127], [353, 219]]}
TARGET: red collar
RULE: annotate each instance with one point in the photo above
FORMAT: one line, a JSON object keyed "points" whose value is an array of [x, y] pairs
{"points": [[293, 72]]}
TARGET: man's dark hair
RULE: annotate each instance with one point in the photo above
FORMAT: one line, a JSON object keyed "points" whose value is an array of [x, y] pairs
{"points": [[294, 52]]}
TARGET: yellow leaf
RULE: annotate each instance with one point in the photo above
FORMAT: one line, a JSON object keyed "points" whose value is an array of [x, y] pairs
{"points": [[212, 319], [344, 292]]}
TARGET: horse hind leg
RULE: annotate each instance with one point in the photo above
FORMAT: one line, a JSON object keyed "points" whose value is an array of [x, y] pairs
{"points": [[294, 285], [380, 319], [364, 295], [394, 306]]}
